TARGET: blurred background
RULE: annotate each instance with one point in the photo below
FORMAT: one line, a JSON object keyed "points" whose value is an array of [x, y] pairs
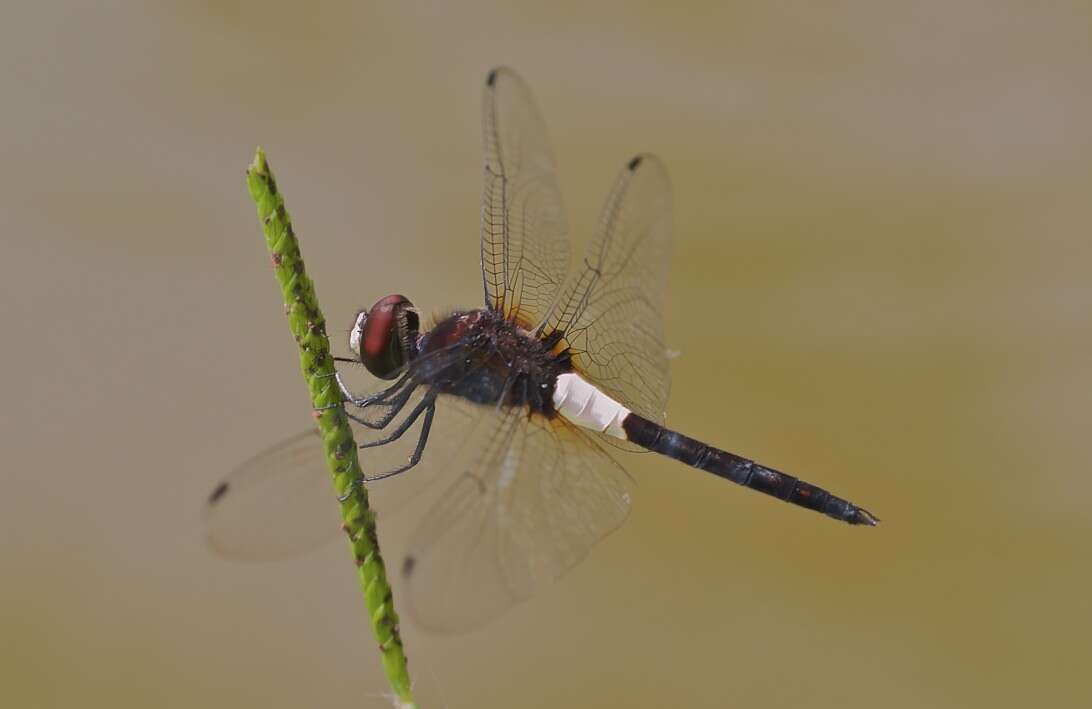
{"points": [[880, 283]]}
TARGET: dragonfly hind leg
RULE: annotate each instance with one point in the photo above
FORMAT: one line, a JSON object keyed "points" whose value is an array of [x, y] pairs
{"points": [[415, 457], [429, 402], [428, 407]]}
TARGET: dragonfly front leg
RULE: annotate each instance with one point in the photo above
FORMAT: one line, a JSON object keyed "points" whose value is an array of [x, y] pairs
{"points": [[393, 409], [364, 402]]}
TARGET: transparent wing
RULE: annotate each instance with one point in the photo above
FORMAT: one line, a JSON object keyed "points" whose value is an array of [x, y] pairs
{"points": [[524, 242], [529, 499], [275, 505], [611, 308], [281, 503]]}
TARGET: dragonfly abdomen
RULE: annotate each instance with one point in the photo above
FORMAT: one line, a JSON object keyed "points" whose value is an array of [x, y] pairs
{"points": [[585, 405], [741, 471]]}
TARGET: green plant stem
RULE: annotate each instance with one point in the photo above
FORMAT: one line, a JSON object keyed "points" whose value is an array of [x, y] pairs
{"points": [[308, 326]]}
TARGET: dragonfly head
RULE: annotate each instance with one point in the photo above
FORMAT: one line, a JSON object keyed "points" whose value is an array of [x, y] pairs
{"points": [[384, 337]]}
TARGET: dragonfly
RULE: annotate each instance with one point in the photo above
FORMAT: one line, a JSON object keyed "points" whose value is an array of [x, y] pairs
{"points": [[510, 413]]}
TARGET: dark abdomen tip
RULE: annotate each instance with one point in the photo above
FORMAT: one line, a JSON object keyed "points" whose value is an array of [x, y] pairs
{"points": [[865, 517]]}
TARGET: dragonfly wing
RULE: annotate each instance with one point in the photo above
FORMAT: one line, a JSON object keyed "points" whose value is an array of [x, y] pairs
{"points": [[611, 309], [281, 503], [524, 237], [527, 504], [273, 505]]}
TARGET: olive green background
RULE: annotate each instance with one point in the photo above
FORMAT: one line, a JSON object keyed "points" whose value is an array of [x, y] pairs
{"points": [[881, 283]]}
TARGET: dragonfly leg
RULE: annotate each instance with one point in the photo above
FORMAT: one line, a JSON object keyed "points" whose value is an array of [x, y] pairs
{"points": [[364, 402], [394, 408], [427, 403], [415, 457]]}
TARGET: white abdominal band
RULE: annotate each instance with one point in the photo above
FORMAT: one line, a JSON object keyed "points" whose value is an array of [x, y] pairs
{"points": [[587, 407]]}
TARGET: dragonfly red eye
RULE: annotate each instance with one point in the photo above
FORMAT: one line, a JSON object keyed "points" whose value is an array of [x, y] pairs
{"points": [[385, 336]]}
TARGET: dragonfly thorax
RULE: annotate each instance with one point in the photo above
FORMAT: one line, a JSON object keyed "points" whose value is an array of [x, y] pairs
{"points": [[481, 356]]}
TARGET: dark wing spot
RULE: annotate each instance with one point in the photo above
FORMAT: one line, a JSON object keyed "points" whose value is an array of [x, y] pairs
{"points": [[407, 564], [492, 78], [632, 164], [218, 492]]}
